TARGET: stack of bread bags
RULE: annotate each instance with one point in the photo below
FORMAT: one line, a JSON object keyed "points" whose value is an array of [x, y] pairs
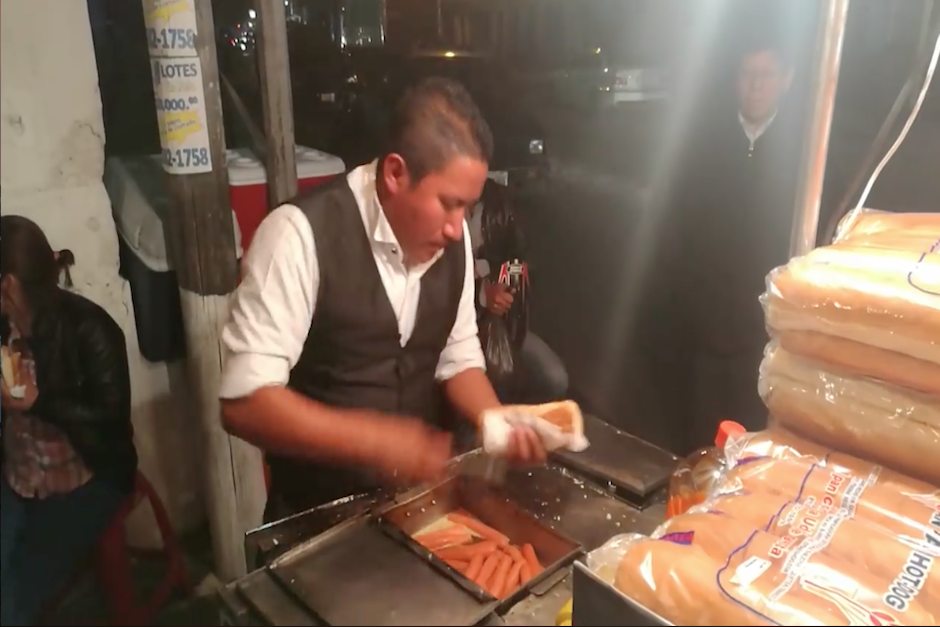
{"points": [[854, 361], [801, 532]]}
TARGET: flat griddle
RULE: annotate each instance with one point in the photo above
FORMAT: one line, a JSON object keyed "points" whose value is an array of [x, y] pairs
{"points": [[635, 469]]}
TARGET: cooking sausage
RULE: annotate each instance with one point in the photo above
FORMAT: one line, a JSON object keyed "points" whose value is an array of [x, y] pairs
{"points": [[489, 568], [498, 584], [528, 552], [525, 574], [790, 580], [512, 579], [467, 551], [479, 528], [436, 540], [854, 541], [475, 566]]}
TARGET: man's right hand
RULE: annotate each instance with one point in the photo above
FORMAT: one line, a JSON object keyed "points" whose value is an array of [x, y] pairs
{"points": [[406, 450], [498, 297]]}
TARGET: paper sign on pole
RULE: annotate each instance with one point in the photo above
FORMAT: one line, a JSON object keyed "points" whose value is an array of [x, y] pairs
{"points": [[177, 85]]}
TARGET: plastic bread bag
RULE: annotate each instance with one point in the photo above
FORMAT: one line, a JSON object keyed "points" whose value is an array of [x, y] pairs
{"points": [[672, 579], [909, 517], [864, 546], [559, 425], [778, 443], [885, 424], [863, 360], [874, 227], [885, 298], [791, 580]]}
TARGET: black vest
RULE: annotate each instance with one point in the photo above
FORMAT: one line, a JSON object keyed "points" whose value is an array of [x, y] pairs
{"points": [[353, 355]]}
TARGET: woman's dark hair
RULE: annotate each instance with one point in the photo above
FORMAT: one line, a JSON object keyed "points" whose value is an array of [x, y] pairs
{"points": [[502, 236], [26, 254]]}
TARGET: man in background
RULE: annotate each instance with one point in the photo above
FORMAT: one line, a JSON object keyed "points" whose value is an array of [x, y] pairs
{"points": [[734, 228]]}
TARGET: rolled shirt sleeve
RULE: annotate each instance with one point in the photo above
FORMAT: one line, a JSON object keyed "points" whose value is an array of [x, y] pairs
{"points": [[273, 306], [463, 350]]}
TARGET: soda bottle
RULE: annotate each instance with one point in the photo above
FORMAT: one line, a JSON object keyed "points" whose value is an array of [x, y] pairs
{"points": [[697, 474]]}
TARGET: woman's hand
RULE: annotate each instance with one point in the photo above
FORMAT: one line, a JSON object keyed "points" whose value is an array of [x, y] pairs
{"points": [[525, 448], [11, 403], [498, 297]]}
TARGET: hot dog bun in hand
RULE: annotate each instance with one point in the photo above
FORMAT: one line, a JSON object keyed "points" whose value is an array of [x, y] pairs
{"points": [[11, 367], [559, 425]]}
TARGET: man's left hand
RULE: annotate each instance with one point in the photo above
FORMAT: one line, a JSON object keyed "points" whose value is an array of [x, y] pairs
{"points": [[525, 448]]}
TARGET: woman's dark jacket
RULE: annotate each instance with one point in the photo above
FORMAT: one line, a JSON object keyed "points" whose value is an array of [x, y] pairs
{"points": [[84, 385]]}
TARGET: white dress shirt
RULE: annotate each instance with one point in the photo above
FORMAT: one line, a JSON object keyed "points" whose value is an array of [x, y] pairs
{"points": [[755, 132], [275, 302]]}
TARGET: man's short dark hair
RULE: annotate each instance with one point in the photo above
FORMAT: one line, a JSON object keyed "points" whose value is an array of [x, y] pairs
{"points": [[763, 39], [435, 121]]}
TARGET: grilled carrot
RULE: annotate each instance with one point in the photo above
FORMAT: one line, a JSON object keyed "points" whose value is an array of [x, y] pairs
{"points": [[528, 552], [498, 583], [489, 567], [475, 566], [440, 538], [478, 528], [467, 551]]}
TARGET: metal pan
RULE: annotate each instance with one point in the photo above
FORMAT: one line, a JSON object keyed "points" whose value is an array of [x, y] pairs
{"points": [[554, 549]]}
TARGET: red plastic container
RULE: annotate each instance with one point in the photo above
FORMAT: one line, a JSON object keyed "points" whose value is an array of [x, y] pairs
{"points": [[248, 185]]}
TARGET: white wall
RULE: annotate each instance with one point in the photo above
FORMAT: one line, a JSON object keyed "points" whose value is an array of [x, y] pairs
{"points": [[51, 171]]}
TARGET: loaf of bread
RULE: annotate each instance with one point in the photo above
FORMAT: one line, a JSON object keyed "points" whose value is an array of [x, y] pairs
{"points": [[863, 360], [885, 424], [886, 298]]}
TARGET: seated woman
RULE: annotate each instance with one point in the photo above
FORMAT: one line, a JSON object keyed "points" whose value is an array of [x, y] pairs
{"points": [[496, 238], [68, 452]]}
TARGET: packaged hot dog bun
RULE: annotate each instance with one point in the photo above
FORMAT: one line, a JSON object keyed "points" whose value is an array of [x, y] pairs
{"points": [[860, 497], [881, 297], [863, 360], [560, 425], [673, 580], [885, 424], [10, 365], [778, 443], [882, 228], [791, 580], [881, 554]]}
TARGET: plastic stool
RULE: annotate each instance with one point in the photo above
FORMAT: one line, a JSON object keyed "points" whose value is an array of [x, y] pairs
{"points": [[114, 568]]}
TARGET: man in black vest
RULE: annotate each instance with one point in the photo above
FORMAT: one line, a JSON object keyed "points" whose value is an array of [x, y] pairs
{"points": [[357, 306]]}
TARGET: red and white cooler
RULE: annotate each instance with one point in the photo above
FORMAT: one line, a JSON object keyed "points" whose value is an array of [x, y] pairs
{"points": [[248, 184]]}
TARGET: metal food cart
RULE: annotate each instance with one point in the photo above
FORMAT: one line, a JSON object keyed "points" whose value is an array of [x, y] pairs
{"points": [[352, 562]]}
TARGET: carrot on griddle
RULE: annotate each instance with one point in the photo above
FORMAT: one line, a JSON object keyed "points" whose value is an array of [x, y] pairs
{"points": [[466, 552], [525, 574], [475, 566], [512, 579], [498, 583], [528, 552], [478, 527], [489, 568]]}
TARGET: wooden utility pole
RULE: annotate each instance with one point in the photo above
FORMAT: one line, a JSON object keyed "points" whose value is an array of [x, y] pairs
{"points": [[276, 100], [201, 242]]}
